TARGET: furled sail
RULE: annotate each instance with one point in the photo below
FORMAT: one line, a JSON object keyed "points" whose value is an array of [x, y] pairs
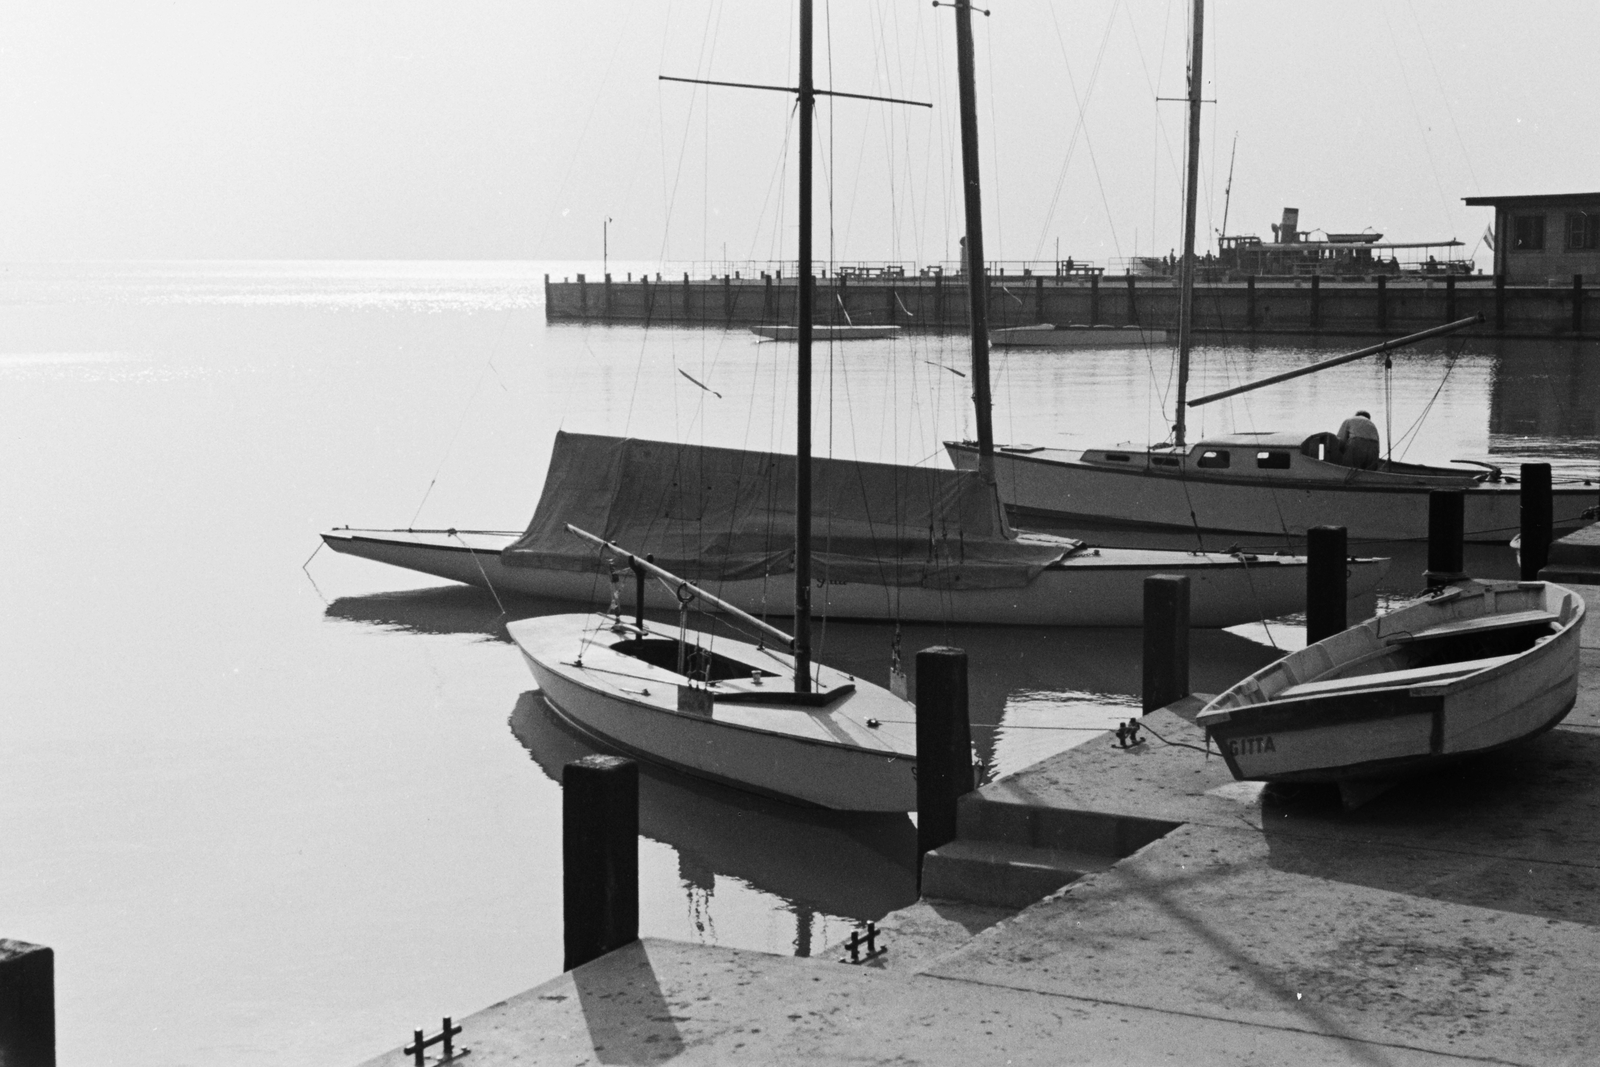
{"points": [[722, 514]]}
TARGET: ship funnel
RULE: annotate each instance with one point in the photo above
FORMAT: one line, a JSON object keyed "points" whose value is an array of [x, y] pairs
{"points": [[1287, 232]]}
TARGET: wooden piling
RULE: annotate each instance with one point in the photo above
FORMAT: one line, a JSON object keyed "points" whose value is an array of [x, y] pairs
{"points": [[1537, 519], [1450, 298], [27, 1005], [1383, 303], [1133, 307], [1094, 300], [600, 856], [1166, 640], [1316, 301], [944, 744], [1577, 303], [1327, 570], [1500, 303], [1446, 529], [1250, 301]]}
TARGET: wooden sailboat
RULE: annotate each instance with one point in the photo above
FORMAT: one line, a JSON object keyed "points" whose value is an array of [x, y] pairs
{"points": [[1475, 667], [744, 714], [1272, 485]]}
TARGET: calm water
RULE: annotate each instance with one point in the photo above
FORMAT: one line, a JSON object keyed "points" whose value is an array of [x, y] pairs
{"points": [[274, 816]]}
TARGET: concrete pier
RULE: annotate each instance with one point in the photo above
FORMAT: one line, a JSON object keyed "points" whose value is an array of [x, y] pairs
{"points": [[1265, 306], [1170, 912]]}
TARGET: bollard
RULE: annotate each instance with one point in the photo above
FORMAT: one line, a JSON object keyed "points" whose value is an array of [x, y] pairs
{"points": [[1326, 586], [1166, 640], [600, 856], [944, 744], [1537, 519], [1445, 536], [27, 1005]]}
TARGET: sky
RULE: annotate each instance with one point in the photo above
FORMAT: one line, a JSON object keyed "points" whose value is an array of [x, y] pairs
{"points": [[486, 129]]}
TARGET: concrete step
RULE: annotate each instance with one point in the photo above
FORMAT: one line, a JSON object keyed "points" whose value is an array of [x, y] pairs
{"points": [[1000, 874]]}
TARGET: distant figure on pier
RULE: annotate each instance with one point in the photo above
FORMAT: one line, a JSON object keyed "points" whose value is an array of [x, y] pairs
{"points": [[1358, 442]]}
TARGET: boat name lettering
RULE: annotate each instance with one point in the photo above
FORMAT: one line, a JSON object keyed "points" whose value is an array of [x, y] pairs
{"points": [[1249, 746]]}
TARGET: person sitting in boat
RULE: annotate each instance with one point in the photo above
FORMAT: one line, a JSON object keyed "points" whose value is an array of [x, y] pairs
{"points": [[1358, 442]]}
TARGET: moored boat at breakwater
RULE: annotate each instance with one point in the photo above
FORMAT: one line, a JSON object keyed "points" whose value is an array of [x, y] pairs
{"points": [[1472, 668], [1260, 485]]}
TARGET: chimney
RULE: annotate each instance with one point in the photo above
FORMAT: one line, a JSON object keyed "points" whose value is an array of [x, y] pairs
{"points": [[1288, 232]]}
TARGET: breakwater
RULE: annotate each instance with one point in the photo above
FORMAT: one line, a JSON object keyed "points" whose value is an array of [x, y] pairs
{"points": [[1313, 304]]}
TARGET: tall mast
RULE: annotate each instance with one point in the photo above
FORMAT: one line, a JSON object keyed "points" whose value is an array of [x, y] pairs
{"points": [[977, 280], [802, 443], [1191, 194]]}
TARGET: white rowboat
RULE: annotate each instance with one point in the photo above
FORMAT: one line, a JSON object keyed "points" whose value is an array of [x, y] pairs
{"points": [[825, 334], [1474, 668]]}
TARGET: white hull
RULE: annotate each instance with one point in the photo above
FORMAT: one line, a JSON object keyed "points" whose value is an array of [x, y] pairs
{"points": [[1052, 485], [1047, 336], [1102, 589], [1340, 710], [824, 756]]}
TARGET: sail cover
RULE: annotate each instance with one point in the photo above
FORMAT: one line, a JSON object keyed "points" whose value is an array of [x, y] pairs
{"points": [[722, 514]]}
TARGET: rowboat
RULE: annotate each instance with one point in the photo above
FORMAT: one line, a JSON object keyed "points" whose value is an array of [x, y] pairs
{"points": [[1048, 335], [826, 333], [1475, 667], [729, 714]]}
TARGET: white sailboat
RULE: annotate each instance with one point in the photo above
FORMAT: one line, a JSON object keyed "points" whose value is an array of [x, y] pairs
{"points": [[766, 720], [1273, 485]]}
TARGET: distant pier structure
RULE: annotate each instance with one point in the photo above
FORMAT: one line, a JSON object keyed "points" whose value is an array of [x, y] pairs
{"points": [[1544, 279], [933, 299]]}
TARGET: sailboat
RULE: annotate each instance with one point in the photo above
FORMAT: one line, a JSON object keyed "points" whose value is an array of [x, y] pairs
{"points": [[759, 717], [1254, 484], [902, 544]]}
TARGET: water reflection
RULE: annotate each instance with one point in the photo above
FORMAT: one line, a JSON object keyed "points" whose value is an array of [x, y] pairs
{"points": [[855, 866], [1542, 401]]}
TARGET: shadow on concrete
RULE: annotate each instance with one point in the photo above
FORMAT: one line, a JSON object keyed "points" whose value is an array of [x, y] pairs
{"points": [[857, 866], [1516, 830], [628, 1017]]}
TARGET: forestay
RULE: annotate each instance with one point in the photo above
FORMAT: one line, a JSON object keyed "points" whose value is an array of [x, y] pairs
{"points": [[714, 514]]}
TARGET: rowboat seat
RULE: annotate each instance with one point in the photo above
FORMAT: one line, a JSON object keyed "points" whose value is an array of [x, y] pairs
{"points": [[1481, 624], [1394, 679]]}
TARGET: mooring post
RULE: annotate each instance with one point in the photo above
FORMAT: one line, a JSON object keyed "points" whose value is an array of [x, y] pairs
{"points": [[1316, 301], [1133, 308], [1446, 535], [1500, 303], [1450, 298], [1250, 301], [1327, 591], [1094, 300], [1538, 519], [1166, 640], [600, 856], [1038, 298], [1383, 302], [27, 1005], [944, 745], [583, 296], [1577, 303]]}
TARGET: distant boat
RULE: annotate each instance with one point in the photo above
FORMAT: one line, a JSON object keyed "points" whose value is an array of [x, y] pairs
{"points": [[1476, 667], [1046, 335], [826, 333]]}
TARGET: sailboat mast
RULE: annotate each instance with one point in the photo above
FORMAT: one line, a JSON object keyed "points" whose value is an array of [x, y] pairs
{"points": [[802, 479], [1191, 194], [977, 280]]}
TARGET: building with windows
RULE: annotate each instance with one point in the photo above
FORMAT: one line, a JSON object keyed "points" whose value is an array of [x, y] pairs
{"points": [[1546, 239]]}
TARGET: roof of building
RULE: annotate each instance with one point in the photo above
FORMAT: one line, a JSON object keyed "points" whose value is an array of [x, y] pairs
{"points": [[1534, 200]]}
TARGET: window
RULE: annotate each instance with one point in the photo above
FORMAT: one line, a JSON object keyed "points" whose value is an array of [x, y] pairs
{"points": [[1166, 461], [1527, 233], [1274, 460], [1583, 231], [1118, 457], [1213, 457]]}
